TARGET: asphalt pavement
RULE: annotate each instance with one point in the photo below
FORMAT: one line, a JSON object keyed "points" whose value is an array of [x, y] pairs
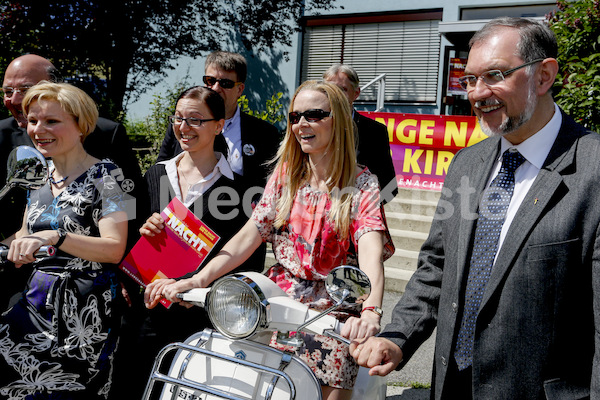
{"points": [[417, 371]]}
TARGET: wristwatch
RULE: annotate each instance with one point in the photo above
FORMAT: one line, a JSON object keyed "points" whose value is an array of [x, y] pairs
{"points": [[375, 309], [62, 234]]}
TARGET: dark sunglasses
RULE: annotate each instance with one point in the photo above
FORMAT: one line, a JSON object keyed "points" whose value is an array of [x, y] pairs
{"points": [[224, 83], [310, 115]]}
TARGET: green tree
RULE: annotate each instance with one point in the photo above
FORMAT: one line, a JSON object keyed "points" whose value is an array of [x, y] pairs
{"points": [[273, 112], [147, 134], [577, 27], [130, 45]]}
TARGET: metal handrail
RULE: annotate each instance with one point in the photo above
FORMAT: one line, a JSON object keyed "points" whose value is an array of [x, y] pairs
{"points": [[380, 81]]}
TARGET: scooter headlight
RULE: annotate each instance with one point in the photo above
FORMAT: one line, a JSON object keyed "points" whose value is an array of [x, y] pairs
{"points": [[236, 306]]}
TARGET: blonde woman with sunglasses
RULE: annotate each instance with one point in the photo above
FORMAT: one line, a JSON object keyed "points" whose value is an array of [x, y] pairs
{"points": [[319, 210]]}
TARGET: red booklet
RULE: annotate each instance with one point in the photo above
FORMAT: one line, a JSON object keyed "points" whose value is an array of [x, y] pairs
{"points": [[180, 248]]}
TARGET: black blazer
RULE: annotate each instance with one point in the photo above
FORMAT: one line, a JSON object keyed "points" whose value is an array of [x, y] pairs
{"points": [[373, 151], [262, 141]]}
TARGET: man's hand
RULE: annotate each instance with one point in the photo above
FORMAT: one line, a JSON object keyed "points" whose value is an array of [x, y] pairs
{"points": [[381, 355]]}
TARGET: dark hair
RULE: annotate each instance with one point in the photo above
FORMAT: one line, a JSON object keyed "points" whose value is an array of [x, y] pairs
{"points": [[228, 61], [537, 40], [212, 99]]}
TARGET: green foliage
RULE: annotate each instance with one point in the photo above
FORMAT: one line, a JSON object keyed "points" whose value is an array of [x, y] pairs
{"points": [[273, 112], [147, 135], [577, 27], [130, 45]]}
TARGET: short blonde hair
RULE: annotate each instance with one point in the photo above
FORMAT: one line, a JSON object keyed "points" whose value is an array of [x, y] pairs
{"points": [[72, 100], [293, 165]]}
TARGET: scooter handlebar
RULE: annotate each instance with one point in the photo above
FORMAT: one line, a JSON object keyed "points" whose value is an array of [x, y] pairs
{"points": [[195, 296], [44, 251]]}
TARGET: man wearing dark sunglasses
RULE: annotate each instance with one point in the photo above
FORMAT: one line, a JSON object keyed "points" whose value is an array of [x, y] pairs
{"points": [[250, 142], [373, 146]]}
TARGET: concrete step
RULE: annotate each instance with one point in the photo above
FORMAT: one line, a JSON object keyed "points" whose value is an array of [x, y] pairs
{"points": [[409, 222], [396, 279], [408, 240], [411, 206]]}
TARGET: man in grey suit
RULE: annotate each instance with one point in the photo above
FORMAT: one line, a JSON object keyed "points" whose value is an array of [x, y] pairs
{"points": [[532, 330]]}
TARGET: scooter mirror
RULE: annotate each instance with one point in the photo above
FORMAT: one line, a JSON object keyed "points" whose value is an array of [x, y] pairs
{"points": [[349, 284], [27, 168]]}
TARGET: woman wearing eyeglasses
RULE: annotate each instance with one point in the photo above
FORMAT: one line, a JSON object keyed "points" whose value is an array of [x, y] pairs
{"points": [[203, 181], [319, 210]]}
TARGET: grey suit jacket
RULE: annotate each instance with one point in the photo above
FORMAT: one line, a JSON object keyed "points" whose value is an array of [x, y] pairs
{"points": [[538, 330]]}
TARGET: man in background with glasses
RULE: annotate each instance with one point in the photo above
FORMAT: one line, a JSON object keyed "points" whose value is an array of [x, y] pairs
{"points": [[373, 145], [249, 142], [510, 272]]}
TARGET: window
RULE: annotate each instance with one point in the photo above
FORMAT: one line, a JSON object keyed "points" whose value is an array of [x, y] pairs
{"points": [[407, 51]]}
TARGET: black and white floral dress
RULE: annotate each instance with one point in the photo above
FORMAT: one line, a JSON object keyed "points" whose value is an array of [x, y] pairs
{"points": [[58, 341]]}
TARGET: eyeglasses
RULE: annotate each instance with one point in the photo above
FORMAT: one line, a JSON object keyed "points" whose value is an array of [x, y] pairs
{"points": [[9, 91], [195, 122], [224, 83], [492, 77], [310, 115]]}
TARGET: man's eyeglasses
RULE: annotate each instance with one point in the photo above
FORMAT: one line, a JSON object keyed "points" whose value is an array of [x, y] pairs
{"points": [[490, 78], [195, 122], [310, 115], [224, 83], [9, 91]]}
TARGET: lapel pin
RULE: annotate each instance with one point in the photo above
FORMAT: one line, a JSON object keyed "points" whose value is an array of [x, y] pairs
{"points": [[248, 150]]}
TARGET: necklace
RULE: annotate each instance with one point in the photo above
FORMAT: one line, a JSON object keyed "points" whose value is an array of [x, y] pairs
{"points": [[187, 182], [54, 182]]}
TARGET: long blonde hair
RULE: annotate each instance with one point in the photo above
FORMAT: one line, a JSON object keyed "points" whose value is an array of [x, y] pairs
{"points": [[293, 168]]}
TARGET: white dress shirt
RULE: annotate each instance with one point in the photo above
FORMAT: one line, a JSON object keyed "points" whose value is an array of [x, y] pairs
{"points": [[232, 131], [199, 188], [535, 150]]}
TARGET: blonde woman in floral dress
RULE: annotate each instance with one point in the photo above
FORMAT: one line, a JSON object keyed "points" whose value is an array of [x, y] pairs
{"points": [[319, 210], [58, 340]]}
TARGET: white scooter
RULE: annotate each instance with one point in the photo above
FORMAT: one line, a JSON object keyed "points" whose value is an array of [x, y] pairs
{"points": [[236, 363]]}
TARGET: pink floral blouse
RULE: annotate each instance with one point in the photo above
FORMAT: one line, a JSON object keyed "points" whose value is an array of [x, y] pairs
{"points": [[308, 247]]}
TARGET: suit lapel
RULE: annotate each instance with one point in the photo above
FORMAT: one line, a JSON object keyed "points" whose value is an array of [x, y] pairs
{"points": [[544, 188], [481, 168], [245, 133]]}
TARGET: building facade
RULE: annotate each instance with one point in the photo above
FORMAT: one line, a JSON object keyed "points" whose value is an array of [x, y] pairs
{"points": [[420, 46]]}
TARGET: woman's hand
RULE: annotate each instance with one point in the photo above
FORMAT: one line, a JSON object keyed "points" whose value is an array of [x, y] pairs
{"points": [[181, 286], [153, 225], [361, 328], [155, 291], [22, 250], [169, 289]]}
